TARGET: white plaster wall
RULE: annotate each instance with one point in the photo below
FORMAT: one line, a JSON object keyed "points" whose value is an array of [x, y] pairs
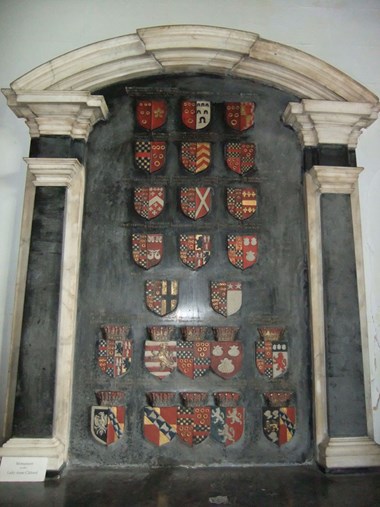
{"points": [[344, 33]]}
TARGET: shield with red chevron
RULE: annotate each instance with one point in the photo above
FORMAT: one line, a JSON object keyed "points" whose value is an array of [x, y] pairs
{"points": [[149, 201], [196, 114], [196, 157], [240, 115], [240, 157], [241, 202], [161, 296], [195, 201], [151, 114], [150, 156]]}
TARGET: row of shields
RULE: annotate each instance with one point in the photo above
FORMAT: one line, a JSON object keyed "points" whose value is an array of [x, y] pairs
{"points": [[193, 356], [193, 421]]}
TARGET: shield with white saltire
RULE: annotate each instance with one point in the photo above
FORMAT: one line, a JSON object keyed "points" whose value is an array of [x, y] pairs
{"points": [[242, 250], [240, 157], [196, 114], [160, 358], [226, 358], [195, 201], [240, 115], [279, 424], [107, 423], [150, 156], [114, 350], [193, 358], [147, 249], [161, 296], [193, 424], [227, 424], [226, 297], [151, 114], [271, 358], [195, 157], [194, 249], [160, 424], [149, 201], [241, 202]]}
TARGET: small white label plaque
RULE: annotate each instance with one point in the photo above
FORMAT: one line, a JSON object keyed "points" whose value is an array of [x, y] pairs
{"points": [[23, 469]]}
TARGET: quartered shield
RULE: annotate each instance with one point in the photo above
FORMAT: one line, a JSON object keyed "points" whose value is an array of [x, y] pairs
{"points": [[226, 297], [196, 114], [150, 156], [196, 157], [240, 115], [195, 201], [193, 358], [147, 249], [242, 250], [193, 424], [161, 296], [194, 249], [240, 157], [241, 202], [107, 423], [226, 358], [151, 114], [160, 358], [279, 424], [227, 424], [160, 424], [271, 358], [114, 356], [149, 201]]}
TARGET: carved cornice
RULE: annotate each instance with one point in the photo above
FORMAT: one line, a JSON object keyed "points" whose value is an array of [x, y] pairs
{"points": [[329, 122], [53, 172], [335, 179]]}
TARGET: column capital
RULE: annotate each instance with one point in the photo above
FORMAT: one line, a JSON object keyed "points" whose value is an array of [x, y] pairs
{"points": [[335, 179]]}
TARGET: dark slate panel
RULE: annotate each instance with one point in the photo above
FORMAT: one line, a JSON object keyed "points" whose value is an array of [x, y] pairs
{"points": [[58, 147]]}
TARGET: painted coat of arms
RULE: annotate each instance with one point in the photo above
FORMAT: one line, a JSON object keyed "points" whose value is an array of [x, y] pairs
{"points": [[242, 250], [149, 201], [271, 353], [160, 418], [241, 202], [193, 354], [226, 297], [196, 114], [150, 156], [194, 249], [161, 296], [151, 114], [108, 418], [196, 157], [195, 201], [279, 418], [147, 249], [226, 354], [240, 157], [240, 115], [227, 419], [193, 419], [114, 350], [160, 354]]}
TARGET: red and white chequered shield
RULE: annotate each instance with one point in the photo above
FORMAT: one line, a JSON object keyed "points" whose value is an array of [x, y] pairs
{"points": [[147, 249], [160, 424], [160, 358], [193, 358], [196, 157], [227, 424], [271, 358], [240, 115], [226, 358], [242, 250], [241, 202], [195, 201], [149, 201], [226, 297], [161, 296], [150, 156], [114, 351], [240, 157], [196, 114], [193, 424], [107, 423], [151, 114], [194, 249]]}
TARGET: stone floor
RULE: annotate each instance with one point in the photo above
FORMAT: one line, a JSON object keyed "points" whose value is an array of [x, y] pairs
{"points": [[301, 486]]}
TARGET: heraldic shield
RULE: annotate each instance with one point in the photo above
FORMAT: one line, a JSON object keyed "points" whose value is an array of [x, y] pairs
{"points": [[193, 424], [151, 114], [196, 114], [226, 358], [147, 249], [240, 157], [226, 297], [271, 353], [114, 350], [160, 424], [160, 357], [193, 354], [108, 419], [240, 115], [241, 202], [227, 424], [149, 201], [150, 156], [195, 201], [196, 157], [194, 249], [279, 419], [242, 250], [161, 296]]}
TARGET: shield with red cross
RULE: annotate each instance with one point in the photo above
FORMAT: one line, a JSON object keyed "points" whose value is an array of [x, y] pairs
{"points": [[150, 156], [226, 358], [194, 249], [241, 202], [149, 201], [240, 157], [195, 201], [114, 350], [242, 250], [147, 249], [193, 424], [196, 114], [227, 424], [161, 296], [193, 358], [226, 297], [196, 157], [151, 114], [240, 115], [160, 424]]}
